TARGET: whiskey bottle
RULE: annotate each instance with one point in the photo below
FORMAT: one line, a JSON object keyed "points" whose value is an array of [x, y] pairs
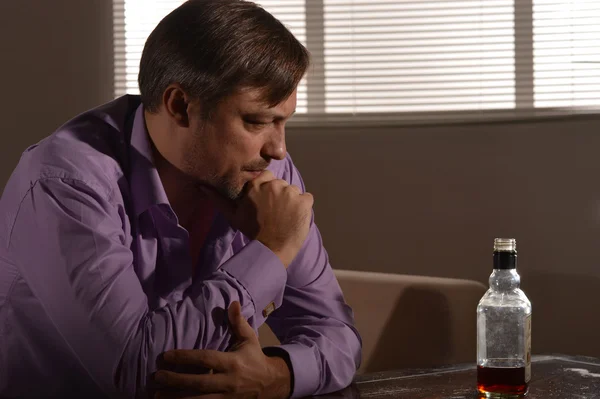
{"points": [[504, 329]]}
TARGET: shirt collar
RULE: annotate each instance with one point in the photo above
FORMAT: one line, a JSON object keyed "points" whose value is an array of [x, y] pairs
{"points": [[146, 187]]}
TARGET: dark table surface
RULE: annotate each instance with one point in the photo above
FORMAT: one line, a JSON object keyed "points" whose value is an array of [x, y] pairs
{"points": [[553, 376]]}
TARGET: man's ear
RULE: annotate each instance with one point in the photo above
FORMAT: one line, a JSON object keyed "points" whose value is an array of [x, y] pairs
{"points": [[177, 104]]}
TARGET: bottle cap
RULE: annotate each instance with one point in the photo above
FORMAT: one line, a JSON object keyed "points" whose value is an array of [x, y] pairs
{"points": [[505, 245], [505, 253]]}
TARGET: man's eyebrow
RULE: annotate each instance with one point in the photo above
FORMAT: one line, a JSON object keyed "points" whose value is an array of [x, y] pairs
{"points": [[287, 116], [268, 114]]}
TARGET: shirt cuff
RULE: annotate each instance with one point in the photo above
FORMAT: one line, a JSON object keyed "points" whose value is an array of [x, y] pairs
{"points": [[305, 369], [263, 276]]}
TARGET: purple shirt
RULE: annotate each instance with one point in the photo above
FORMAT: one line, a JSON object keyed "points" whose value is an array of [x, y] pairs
{"points": [[96, 277]]}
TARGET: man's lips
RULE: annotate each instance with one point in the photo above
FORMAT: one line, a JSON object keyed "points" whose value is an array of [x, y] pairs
{"points": [[254, 173]]}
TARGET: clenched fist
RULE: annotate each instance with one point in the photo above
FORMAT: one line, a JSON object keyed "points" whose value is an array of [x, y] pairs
{"points": [[275, 213]]}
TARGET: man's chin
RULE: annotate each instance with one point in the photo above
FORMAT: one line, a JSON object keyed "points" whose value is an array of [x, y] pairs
{"points": [[214, 190], [223, 188], [233, 195], [229, 192]]}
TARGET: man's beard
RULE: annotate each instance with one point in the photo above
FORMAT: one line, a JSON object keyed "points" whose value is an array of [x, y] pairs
{"points": [[223, 187], [232, 191], [228, 190], [229, 187]]}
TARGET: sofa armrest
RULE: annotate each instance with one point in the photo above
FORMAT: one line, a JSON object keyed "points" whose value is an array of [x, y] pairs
{"points": [[409, 321]]}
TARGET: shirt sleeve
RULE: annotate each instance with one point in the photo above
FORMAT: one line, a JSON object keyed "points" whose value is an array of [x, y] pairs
{"points": [[70, 244], [314, 324]]}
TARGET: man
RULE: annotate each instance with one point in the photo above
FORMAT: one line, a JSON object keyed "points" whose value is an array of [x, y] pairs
{"points": [[159, 232]]}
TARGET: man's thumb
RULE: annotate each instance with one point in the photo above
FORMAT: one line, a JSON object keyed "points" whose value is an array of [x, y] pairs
{"points": [[239, 325]]}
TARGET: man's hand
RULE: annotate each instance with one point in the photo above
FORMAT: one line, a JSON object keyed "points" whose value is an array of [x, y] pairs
{"points": [[273, 212], [245, 372]]}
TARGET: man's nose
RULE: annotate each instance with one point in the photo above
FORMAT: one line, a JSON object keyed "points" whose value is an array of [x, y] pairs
{"points": [[275, 147]]}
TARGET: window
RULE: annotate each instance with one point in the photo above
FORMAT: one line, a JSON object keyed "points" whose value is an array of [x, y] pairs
{"points": [[566, 53], [134, 20], [394, 61]]}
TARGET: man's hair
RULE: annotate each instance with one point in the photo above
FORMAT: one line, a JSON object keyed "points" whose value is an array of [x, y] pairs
{"points": [[213, 48]]}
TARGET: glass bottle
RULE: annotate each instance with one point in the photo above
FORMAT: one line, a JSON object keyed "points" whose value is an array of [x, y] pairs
{"points": [[504, 329]]}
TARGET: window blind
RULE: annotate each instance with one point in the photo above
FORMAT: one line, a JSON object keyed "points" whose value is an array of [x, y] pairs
{"points": [[566, 37], [415, 61]]}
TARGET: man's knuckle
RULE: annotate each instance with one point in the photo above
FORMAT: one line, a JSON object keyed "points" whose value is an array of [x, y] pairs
{"points": [[269, 184], [230, 385], [165, 377], [294, 189], [308, 200], [254, 184], [280, 183], [236, 365], [238, 386], [201, 357]]}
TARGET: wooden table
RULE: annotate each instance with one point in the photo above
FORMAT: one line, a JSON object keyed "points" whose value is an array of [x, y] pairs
{"points": [[555, 376]]}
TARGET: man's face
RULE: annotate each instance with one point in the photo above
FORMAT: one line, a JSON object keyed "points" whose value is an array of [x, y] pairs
{"points": [[237, 142]]}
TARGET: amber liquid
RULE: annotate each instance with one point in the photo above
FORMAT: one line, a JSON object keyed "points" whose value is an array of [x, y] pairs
{"points": [[501, 380]]}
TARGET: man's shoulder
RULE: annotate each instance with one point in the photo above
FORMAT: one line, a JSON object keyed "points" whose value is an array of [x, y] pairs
{"points": [[286, 170], [91, 148], [283, 169]]}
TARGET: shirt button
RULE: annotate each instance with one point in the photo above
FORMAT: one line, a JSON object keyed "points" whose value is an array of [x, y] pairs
{"points": [[269, 309]]}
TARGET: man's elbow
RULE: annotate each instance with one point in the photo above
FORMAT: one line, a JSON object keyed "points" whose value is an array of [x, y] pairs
{"points": [[343, 369], [132, 375], [132, 379]]}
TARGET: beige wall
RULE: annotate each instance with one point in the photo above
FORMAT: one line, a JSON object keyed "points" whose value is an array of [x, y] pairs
{"points": [[421, 200], [55, 62], [430, 200]]}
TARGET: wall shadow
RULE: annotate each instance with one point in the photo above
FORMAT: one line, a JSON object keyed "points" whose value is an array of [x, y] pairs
{"points": [[418, 333]]}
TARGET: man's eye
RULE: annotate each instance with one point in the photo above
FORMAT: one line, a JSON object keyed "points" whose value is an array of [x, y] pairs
{"points": [[257, 123]]}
